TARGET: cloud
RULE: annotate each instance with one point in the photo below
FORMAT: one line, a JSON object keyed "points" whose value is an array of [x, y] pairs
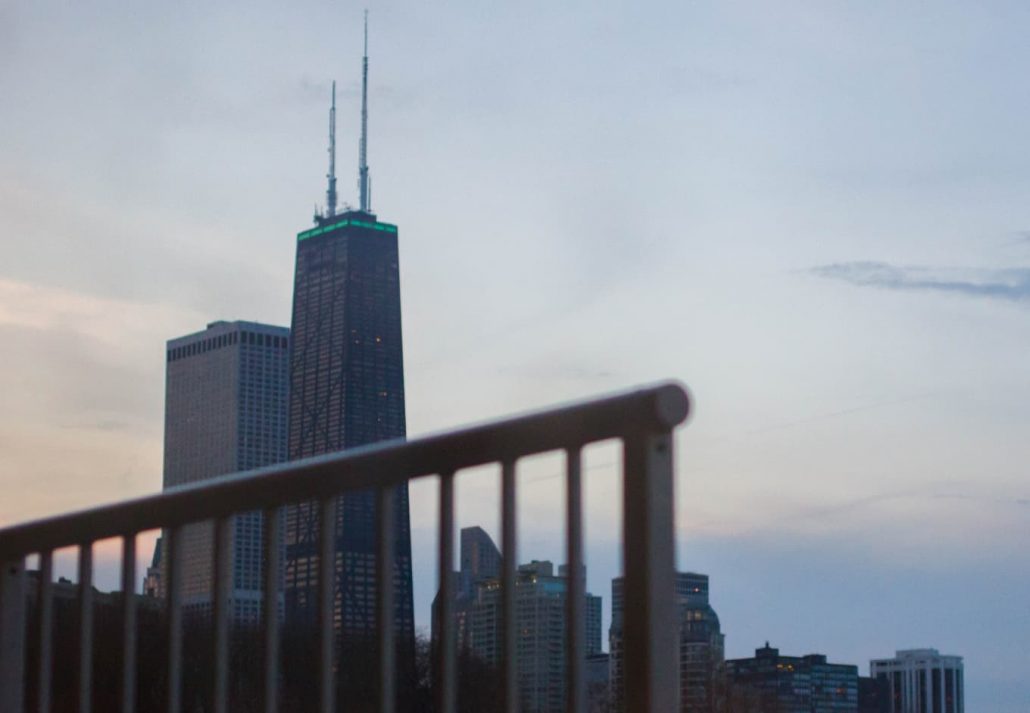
{"points": [[80, 416], [1012, 284]]}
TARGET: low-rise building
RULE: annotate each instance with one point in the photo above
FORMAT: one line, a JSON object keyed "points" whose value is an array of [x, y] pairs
{"points": [[792, 684]]}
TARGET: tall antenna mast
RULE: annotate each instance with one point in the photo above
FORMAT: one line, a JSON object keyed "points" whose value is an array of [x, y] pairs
{"points": [[330, 194], [365, 199]]}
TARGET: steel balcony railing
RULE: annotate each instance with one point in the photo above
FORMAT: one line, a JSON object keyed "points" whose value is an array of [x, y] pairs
{"points": [[643, 420]]}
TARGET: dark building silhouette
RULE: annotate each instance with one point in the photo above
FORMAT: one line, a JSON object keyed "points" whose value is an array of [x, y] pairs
{"points": [[107, 630], [772, 683], [873, 695], [701, 644], [347, 390], [225, 411]]}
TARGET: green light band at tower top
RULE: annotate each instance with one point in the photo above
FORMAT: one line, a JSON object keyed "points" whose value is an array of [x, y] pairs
{"points": [[384, 227]]}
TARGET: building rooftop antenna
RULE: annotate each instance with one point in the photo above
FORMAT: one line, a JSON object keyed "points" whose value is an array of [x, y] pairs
{"points": [[330, 194], [365, 198]]}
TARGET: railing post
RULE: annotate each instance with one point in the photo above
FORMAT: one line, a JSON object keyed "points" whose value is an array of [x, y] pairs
{"points": [[12, 636], [650, 630]]}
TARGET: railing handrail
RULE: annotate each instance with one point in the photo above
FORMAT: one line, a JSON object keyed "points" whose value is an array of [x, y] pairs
{"points": [[657, 407]]}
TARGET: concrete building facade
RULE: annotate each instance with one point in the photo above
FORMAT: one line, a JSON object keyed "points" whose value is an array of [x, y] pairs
{"points": [[922, 681], [225, 411]]}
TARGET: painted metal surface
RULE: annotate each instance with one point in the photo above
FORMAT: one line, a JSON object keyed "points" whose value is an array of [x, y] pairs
{"points": [[643, 420]]}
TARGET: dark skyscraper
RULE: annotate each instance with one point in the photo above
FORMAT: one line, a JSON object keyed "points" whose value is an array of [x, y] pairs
{"points": [[225, 411], [346, 390]]}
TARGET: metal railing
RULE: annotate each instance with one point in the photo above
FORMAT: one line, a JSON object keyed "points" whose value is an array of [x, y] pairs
{"points": [[642, 420]]}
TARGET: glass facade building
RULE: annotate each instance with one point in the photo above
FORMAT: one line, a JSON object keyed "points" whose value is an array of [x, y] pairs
{"points": [[225, 411], [346, 390], [791, 684]]}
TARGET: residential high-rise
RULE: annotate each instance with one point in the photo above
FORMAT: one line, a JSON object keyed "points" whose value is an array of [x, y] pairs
{"points": [[540, 598], [701, 644], [347, 390], [922, 681], [225, 411], [791, 684]]}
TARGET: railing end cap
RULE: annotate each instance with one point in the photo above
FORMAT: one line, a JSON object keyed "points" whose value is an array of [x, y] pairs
{"points": [[672, 403]]}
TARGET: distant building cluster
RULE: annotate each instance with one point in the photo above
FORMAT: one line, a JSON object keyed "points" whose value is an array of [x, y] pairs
{"points": [[915, 681], [540, 600]]}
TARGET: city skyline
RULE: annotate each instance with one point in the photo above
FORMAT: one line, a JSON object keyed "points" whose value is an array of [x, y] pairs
{"points": [[828, 248]]}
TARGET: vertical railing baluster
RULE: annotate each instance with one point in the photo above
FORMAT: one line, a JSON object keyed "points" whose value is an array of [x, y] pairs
{"points": [[46, 630], [222, 577], [174, 617], [650, 653], [271, 605], [384, 597], [12, 634], [85, 627], [447, 695], [326, 603], [129, 623], [575, 591], [509, 613]]}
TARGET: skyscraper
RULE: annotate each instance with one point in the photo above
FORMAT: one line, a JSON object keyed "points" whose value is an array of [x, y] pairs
{"points": [[540, 625], [347, 390], [921, 680], [480, 559], [701, 644], [540, 620], [225, 411]]}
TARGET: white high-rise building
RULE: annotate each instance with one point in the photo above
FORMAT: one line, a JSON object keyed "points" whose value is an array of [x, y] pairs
{"points": [[922, 681]]}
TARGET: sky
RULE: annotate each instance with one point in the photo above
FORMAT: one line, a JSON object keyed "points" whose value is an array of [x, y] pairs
{"points": [[812, 213]]}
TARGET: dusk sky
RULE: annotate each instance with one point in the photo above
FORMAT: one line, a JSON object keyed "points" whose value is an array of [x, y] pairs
{"points": [[814, 214]]}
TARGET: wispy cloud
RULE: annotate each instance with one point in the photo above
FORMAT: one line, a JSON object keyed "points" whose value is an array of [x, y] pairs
{"points": [[1012, 284]]}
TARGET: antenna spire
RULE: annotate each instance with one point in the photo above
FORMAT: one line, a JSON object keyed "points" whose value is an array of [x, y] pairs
{"points": [[365, 198], [330, 194]]}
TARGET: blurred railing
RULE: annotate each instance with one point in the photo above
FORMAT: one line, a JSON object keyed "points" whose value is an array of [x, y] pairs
{"points": [[642, 420]]}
